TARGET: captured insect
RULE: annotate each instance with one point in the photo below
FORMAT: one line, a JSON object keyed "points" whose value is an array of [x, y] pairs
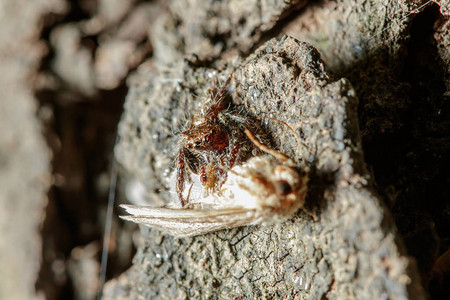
{"points": [[265, 189]]}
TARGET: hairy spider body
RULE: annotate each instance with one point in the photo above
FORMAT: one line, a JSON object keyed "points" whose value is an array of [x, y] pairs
{"points": [[212, 143]]}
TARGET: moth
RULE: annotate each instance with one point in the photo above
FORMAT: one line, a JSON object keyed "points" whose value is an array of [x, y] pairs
{"points": [[263, 190]]}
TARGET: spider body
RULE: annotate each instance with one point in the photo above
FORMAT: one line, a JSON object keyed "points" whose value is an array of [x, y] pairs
{"points": [[212, 143]]}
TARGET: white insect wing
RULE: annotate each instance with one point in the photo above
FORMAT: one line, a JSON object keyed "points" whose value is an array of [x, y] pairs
{"points": [[250, 195]]}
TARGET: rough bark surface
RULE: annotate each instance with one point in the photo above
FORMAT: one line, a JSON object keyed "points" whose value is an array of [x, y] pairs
{"points": [[382, 48], [397, 57], [351, 250], [213, 29]]}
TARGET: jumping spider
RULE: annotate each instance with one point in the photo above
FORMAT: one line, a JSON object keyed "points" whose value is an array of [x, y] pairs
{"points": [[212, 143]]}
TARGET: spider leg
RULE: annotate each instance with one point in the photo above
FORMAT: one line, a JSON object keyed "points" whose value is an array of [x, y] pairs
{"points": [[233, 156], [181, 170], [220, 94], [217, 99], [207, 177], [214, 90]]}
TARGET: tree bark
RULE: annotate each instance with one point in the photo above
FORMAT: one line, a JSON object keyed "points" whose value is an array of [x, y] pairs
{"points": [[352, 248]]}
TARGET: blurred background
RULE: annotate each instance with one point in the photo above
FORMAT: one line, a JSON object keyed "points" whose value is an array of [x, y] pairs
{"points": [[63, 69]]}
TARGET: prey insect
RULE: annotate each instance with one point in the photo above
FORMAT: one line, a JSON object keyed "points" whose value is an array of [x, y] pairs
{"points": [[265, 189]]}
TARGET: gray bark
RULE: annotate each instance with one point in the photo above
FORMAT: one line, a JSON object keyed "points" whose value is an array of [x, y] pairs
{"points": [[350, 250]]}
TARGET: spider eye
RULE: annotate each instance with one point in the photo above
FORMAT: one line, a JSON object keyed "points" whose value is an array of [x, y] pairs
{"points": [[283, 187], [196, 145], [213, 131]]}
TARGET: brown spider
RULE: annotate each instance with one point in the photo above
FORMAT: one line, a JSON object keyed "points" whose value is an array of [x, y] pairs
{"points": [[212, 143]]}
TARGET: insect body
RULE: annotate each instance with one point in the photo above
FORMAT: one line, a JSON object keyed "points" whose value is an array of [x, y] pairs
{"points": [[262, 190]]}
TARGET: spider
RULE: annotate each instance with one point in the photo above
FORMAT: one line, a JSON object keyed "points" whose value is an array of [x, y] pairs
{"points": [[212, 143]]}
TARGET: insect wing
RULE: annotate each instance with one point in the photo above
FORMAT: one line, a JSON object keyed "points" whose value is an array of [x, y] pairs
{"points": [[191, 222]]}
